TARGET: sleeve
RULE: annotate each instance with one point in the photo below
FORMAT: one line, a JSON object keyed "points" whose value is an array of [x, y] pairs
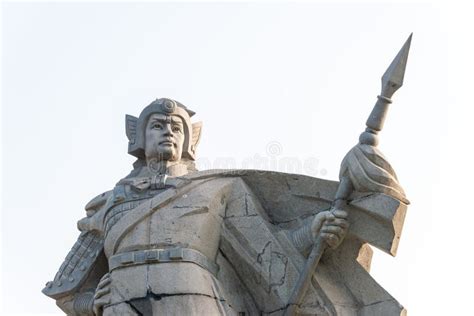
{"points": [[75, 282], [302, 238], [79, 274], [262, 253]]}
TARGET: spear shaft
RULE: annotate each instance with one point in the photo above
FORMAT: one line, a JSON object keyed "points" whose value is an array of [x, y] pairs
{"points": [[392, 80]]}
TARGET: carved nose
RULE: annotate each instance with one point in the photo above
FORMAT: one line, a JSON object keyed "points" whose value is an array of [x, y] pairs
{"points": [[168, 130]]}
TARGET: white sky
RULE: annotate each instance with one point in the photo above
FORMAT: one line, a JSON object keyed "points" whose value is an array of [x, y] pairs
{"points": [[300, 79]]}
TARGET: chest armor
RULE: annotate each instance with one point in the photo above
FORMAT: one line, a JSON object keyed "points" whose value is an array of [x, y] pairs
{"points": [[125, 198], [191, 219]]}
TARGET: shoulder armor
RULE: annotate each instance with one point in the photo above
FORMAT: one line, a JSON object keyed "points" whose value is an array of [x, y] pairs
{"points": [[76, 267], [98, 201]]}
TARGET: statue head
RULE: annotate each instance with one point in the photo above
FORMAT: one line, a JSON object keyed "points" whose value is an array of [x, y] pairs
{"points": [[163, 131]]}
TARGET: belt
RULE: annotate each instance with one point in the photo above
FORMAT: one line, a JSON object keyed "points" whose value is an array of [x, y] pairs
{"points": [[162, 255]]}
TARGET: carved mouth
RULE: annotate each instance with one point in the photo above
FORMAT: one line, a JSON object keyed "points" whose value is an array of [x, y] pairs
{"points": [[166, 143]]}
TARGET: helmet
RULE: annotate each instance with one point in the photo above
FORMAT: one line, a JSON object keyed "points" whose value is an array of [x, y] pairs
{"points": [[135, 127]]}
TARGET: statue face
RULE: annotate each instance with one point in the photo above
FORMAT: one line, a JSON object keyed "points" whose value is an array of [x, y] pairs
{"points": [[164, 137]]}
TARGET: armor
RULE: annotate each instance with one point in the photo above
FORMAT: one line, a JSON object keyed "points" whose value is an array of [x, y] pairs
{"points": [[74, 283], [78, 264]]}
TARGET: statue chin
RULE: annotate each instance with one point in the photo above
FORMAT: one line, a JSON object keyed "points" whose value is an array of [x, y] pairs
{"points": [[162, 155]]}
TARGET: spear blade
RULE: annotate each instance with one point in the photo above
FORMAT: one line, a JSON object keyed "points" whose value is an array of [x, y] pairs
{"points": [[392, 79]]}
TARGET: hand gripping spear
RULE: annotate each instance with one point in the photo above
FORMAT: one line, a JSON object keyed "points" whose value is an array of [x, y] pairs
{"points": [[392, 80]]}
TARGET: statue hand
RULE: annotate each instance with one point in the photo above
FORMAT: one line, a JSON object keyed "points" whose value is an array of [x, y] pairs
{"points": [[331, 226], [102, 294]]}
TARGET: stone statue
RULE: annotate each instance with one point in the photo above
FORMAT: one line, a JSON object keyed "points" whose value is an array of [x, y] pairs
{"points": [[171, 240]]}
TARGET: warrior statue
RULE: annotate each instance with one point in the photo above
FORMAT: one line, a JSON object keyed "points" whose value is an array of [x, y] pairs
{"points": [[171, 240]]}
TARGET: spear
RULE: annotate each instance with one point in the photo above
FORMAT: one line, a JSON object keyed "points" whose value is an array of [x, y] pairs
{"points": [[392, 80]]}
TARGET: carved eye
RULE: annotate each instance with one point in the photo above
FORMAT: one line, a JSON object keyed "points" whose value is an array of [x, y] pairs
{"points": [[157, 126], [176, 129]]}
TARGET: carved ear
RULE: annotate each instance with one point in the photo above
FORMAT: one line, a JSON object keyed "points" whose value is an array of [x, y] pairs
{"points": [[196, 136], [131, 128]]}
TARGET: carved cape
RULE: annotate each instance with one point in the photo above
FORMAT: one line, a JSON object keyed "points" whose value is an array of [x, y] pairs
{"points": [[259, 265]]}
